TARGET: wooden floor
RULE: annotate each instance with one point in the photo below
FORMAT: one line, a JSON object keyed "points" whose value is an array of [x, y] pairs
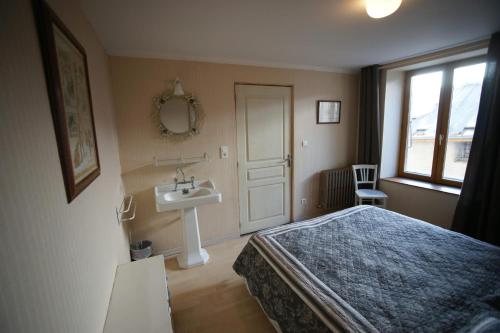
{"points": [[212, 298]]}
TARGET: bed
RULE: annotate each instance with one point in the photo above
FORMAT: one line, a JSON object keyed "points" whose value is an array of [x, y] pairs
{"points": [[366, 269]]}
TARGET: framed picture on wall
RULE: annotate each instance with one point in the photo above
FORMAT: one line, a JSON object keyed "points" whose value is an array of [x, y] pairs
{"points": [[67, 78], [328, 112]]}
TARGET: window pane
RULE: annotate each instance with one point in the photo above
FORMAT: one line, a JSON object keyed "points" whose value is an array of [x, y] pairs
{"points": [[467, 82], [422, 120]]}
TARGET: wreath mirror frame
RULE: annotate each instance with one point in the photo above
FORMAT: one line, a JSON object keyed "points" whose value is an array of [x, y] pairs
{"points": [[195, 113]]}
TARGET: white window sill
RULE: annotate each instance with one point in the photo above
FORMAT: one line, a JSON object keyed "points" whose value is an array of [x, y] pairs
{"points": [[425, 185]]}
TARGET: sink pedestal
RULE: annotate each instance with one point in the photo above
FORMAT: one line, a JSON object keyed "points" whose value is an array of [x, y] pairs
{"points": [[185, 198], [192, 254]]}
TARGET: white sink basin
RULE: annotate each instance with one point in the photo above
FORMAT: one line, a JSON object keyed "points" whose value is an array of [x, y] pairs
{"points": [[197, 192], [168, 199]]}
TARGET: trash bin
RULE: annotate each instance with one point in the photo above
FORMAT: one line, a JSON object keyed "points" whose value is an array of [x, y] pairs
{"points": [[141, 249]]}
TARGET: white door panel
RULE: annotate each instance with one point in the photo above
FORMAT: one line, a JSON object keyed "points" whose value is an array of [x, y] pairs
{"points": [[266, 172], [263, 116], [264, 125], [265, 201]]}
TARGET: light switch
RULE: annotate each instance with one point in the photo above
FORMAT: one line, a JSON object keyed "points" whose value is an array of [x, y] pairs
{"points": [[224, 152], [305, 143]]}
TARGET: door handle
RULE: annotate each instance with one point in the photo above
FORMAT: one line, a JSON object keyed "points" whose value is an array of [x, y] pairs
{"points": [[288, 160]]}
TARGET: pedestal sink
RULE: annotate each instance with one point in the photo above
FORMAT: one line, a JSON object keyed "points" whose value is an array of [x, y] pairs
{"points": [[167, 199]]}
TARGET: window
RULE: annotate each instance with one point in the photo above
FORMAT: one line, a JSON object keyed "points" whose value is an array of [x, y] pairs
{"points": [[463, 151], [441, 105]]}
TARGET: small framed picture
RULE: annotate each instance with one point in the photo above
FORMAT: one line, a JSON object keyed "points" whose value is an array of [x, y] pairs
{"points": [[328, 112]]}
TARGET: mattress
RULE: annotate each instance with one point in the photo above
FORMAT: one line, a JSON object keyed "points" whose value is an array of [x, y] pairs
{"points": [[366, 269]]}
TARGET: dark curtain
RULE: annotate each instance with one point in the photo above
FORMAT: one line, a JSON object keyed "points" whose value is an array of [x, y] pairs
{"points": [[369, 117], [478, 210]]}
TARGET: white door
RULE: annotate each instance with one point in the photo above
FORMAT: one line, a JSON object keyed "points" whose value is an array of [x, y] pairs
{"points": [[263, 118]]}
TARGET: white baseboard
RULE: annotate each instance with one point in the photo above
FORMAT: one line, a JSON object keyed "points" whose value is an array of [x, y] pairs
{"points": [[169, 253]]}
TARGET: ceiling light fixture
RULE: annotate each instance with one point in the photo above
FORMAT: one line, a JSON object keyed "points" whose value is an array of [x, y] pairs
{"points": [[381, 8]]}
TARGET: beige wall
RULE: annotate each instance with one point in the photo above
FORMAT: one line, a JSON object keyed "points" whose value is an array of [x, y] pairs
{"points": [[58, 259], [391, 120], [428, 205], [135, 81]]}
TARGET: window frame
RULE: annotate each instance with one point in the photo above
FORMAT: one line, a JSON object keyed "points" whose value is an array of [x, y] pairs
{"points": [[441, 135]]}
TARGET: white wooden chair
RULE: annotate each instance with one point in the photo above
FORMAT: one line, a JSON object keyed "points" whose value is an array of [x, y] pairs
{"points": [[366, 176]]}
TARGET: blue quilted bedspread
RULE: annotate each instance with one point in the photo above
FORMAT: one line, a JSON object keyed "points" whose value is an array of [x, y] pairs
{"points": [[366, 269]]}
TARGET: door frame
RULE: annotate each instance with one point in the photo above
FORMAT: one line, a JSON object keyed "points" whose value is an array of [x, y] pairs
{"points": [[292, 143]]}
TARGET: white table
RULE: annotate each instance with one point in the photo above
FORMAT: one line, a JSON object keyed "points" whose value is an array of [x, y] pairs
{"points": [[139, 300]]}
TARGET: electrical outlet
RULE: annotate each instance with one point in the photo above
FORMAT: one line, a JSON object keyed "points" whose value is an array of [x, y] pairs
{"points": [[224, 152], [303, 201]]}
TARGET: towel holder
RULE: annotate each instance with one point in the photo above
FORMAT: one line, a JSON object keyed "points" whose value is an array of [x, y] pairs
{"points": [[181, 160], [126, 208]]}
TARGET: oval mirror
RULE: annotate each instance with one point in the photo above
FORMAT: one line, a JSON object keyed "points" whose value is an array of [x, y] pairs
{"points": [[179, 115], [175, 115]]}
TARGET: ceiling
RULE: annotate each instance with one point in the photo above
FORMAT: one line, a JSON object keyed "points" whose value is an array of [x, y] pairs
{"points": [[334, 35]]}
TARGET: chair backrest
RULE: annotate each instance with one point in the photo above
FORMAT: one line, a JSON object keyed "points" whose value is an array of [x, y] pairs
{"points": [[365, 174]]}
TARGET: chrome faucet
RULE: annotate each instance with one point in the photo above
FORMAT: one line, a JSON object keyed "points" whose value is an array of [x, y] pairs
{"points": [[177, 182]]}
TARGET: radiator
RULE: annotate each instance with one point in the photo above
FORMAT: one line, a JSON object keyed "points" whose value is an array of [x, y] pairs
{"points": [[336, 189]]}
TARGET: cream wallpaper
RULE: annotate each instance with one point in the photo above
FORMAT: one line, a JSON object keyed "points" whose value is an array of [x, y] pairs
{"points": [[58, 259], [135, 81], [428, 205]]}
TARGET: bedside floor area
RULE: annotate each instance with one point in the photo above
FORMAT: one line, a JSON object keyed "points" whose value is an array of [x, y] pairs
{"points": [[212, 297]]}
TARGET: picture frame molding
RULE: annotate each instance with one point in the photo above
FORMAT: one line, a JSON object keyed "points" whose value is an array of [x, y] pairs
{"points": [[45, 17], [327, 101]]}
